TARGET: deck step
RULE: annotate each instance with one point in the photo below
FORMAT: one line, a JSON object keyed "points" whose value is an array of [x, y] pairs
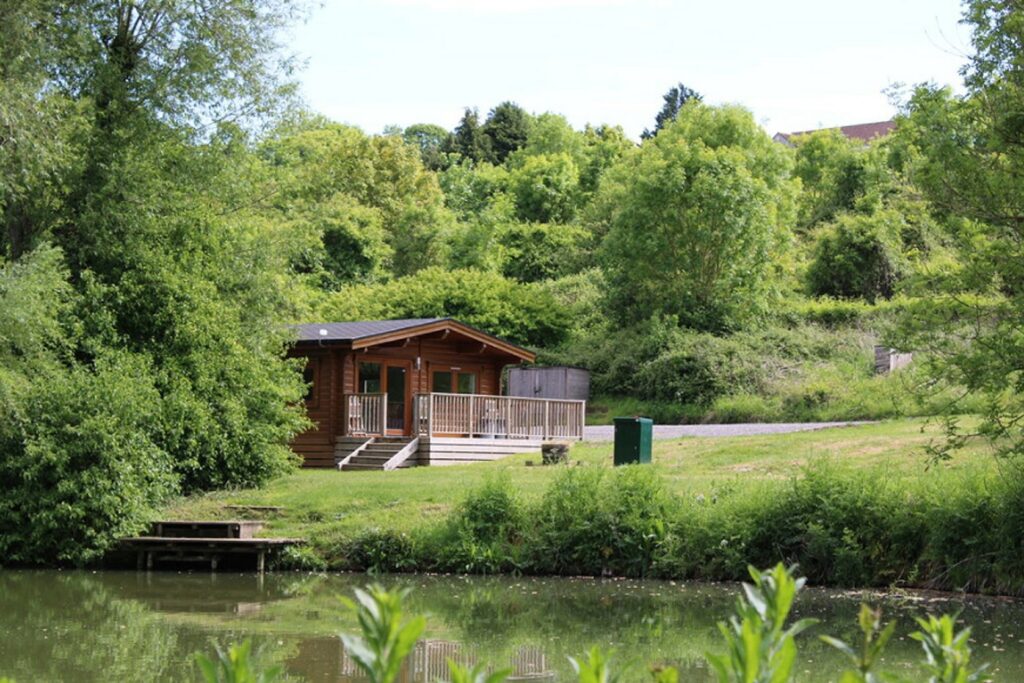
{"points": [[372, 456], [213, 541], [205, 529]]}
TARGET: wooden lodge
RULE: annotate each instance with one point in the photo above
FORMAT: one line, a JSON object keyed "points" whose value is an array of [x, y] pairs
{"points": [[397, 393]]}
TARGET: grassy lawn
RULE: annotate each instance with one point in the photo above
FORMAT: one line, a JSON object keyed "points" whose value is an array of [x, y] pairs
{"points": [[327, 506]]}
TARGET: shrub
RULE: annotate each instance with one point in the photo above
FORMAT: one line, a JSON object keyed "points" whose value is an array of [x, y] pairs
{"points": [[859, 256], [79, 464], [491, 512], [381, 550]]}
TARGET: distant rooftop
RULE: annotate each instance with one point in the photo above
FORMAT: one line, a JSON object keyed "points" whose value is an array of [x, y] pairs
{"points": [[865, 132]]}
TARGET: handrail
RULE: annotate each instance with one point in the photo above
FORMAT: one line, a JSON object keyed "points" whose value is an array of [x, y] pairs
{"points": [[475, 415], [396, 460], [359, 449], [364, 414]]}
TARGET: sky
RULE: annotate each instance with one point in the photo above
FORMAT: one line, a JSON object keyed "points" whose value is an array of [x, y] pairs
{"points": [[796, 64]]}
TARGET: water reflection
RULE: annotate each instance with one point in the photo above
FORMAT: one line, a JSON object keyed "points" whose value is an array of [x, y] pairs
{"points": [[124, 626]]}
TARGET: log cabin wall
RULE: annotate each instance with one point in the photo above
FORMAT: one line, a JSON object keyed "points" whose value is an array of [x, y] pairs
{"points": [[316, 445]]}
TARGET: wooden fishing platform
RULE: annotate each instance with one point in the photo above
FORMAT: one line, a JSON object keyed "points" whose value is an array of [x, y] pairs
{"points": [[211, 541]]}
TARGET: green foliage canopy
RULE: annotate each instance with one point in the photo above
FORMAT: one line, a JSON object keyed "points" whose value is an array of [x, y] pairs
{"points": [[695, 218]]}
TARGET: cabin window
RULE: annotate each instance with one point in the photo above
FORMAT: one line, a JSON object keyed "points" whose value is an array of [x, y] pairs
{"points": [[467, 382], [369, 378], [453, 381], [442, 382]]}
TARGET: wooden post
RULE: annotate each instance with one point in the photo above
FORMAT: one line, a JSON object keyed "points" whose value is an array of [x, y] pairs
{"points": [[471, 402], [260, 561], [547, 405], [508, 415], [430, 415], [383, 414]]}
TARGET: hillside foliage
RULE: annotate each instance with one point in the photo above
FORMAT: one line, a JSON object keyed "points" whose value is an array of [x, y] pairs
{"points": [[168, 209]]}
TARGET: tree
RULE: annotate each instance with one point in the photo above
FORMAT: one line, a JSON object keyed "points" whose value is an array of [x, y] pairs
{"points": [[534, 252], [676, 97], [171, 375], [390, 196], [969, 160], [546, 188], [522, 313], [507, 128], [694, 219], [430, 139], [468, 139]]}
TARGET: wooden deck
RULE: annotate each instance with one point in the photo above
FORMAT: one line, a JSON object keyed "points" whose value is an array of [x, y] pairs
{"points": [[203, 541]]}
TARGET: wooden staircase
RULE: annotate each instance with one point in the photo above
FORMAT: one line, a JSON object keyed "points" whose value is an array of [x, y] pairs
{"points": [[376, 453]]}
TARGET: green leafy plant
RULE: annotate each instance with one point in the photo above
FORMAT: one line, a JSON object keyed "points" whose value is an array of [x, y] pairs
{"points": [[594, 667], [759, 647], [235, 666], [947, 651], [875, 639], [385, 641], [478, 674]]}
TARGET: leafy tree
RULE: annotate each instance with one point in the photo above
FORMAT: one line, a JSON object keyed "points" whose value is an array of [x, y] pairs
{"points": [[603, 147], [397, 221], [522, 313], [469, 139], [858, 256], [552, 134], [969, 160], [695, 218], [171, 376], [838, 174], [507, 128], [676, 97], [431, 140], [546, 188], [539, 251], [79, 458]]}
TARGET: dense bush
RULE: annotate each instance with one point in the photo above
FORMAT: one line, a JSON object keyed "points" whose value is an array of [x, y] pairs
{"points": [[80, 464], [859, 256]]}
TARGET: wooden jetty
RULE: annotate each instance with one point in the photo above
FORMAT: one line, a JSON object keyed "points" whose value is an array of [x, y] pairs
{"points": [[204, 541]]}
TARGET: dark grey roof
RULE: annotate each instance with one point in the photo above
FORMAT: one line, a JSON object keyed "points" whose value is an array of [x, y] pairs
{"points": [[349, 332]]}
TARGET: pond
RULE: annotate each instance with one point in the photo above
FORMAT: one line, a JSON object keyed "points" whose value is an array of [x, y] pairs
{"points": [[123, 626]]}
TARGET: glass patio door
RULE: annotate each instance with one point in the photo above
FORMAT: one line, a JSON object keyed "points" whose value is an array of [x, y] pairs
{"points": [[392, 379], [397, 387]]}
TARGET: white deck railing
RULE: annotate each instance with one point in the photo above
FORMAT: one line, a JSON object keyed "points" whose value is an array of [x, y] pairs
{"points": [[502, 417], [364, 414]]}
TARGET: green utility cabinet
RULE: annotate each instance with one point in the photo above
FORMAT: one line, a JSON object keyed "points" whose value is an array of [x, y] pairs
{"points": [[633, 437]]}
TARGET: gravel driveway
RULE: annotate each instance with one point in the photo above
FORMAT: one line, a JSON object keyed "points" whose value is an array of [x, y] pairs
{"points": [[607, 432]]}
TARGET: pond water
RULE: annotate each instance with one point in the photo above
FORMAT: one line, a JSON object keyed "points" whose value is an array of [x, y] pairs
{"points": [[123, 626]]}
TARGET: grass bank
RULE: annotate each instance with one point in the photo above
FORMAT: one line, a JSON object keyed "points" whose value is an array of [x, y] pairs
{"points": [[855, 506]]}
